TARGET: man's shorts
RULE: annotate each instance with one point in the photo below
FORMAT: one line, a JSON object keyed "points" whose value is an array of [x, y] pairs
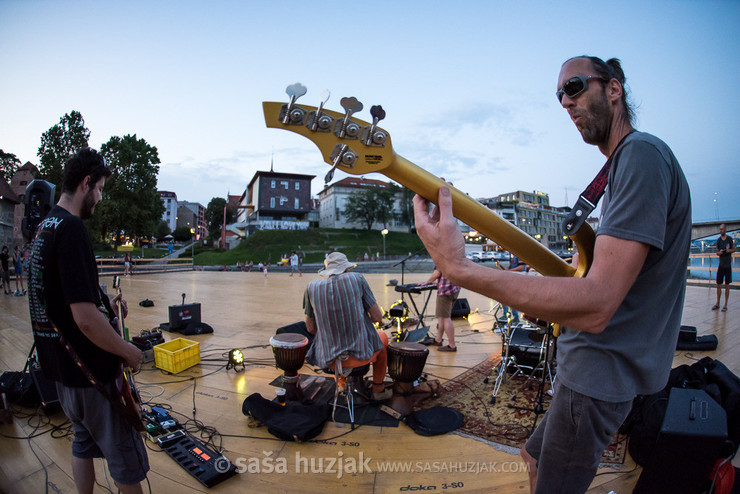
{"points": [[571, 438], [101, 432], [724, 272], [443, 310]]}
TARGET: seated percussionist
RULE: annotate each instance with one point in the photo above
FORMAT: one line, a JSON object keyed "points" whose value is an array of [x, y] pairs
{"points": [[340, 311]]}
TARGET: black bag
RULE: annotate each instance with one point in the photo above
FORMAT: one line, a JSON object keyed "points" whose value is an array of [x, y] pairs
{"points": [[434, 421], [146, 303], [292, 422], [20, 389]]}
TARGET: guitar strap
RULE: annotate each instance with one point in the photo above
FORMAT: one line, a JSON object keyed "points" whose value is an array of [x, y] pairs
{"points": [[81, 365], [590, 197]]}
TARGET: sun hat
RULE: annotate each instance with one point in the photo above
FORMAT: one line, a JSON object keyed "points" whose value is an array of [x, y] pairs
{"points": [[335, 263]]}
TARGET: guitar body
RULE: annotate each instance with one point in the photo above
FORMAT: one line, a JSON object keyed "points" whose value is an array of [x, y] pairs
{"points": [[355, 156]]}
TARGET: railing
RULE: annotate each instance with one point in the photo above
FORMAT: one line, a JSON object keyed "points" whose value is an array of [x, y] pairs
{"points": [[702, 268], [111, 267]]}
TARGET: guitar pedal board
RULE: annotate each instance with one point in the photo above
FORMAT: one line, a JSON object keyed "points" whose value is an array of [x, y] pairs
{"points": [[208, 467], [146, 341], [159, 423]]}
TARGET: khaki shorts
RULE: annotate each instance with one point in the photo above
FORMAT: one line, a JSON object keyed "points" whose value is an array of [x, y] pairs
{"points": [[444, 305]]}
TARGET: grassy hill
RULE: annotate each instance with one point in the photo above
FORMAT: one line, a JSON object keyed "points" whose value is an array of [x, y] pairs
{"points": [[311, 245]]}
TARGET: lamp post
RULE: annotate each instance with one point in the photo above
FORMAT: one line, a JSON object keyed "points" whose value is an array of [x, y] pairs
{"points": [[384, 232]]}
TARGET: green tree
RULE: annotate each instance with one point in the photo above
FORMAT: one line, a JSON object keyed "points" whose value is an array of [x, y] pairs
{"points": [[9, 164], [407, 206], [182, 234], [131, 204], [215, 216], [370, 205], [58, 143], [163, 229]]}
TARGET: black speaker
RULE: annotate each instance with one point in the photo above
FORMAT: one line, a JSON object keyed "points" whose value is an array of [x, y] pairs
{"points": [[690, 442], [461, 308]]}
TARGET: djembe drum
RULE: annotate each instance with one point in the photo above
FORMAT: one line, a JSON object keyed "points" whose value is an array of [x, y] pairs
{"points": [[290, 352], [405, 364]]}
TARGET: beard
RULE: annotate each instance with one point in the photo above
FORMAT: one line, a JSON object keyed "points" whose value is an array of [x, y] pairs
{"points": [[88, 205], [595, 122]]}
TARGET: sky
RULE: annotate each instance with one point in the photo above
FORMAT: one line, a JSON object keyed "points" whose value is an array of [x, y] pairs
{"points": [[468, 86]]}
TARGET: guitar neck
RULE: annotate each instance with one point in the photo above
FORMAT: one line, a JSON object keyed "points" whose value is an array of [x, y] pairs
{"points": [[476, 215]]}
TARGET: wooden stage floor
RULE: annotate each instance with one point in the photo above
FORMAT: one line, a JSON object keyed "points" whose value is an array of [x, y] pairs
{"points": [[244, 310]]}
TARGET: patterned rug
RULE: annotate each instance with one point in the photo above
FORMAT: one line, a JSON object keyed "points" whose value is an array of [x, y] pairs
{"points": [[499, 423]]}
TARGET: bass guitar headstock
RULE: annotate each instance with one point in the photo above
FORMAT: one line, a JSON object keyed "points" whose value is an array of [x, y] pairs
{"points": [[350, 144], [116, 285]]}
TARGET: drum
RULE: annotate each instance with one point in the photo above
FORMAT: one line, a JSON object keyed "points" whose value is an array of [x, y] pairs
{"points": [[405, 363], [290, 351]]}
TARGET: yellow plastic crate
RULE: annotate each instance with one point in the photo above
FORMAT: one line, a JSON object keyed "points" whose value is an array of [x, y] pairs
{"points": [[176, 355]]}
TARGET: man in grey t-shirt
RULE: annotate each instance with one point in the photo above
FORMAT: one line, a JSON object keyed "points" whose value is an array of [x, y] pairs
{"points": [[621, 320]]}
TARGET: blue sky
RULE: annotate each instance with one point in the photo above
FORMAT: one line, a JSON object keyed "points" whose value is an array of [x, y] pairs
{"points": [[468, 86]]}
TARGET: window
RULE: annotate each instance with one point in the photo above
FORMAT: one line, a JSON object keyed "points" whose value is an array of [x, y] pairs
{"points": [[284, 183], [272, 200], [283, 200], [296, 203], [272, 185], [297, 186]]}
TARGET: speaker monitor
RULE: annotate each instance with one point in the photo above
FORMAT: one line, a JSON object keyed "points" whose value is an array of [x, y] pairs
{"points": [[689, 443], [182, 315], [46, 388], [461, 308]]}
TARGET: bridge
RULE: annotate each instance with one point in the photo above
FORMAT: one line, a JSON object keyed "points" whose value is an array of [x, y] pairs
{"points": [[707, 228]]}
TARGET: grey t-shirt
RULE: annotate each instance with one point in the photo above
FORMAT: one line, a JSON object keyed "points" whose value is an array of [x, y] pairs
{"points": [[647, 201]]}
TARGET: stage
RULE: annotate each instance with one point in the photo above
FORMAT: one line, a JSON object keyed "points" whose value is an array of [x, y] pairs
{"points": [[244, 310]]}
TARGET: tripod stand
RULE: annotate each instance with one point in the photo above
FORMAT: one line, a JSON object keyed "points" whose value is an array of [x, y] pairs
{"points": [[538, 408]]}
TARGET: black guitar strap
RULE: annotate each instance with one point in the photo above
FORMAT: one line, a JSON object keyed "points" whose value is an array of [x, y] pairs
{"points": [[590, 197]]}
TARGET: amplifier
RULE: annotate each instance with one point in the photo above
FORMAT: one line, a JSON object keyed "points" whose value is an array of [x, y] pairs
{"points": [[689, 443], [461, 308]]}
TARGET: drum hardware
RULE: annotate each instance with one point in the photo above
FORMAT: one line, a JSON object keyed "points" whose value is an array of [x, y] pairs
{"points": [[290, 351], [351, 387], [538, 408], [511, 347]]}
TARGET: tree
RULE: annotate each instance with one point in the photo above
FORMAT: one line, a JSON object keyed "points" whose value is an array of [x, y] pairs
{"points": [[407, 206], [370, 205], [215, 216], [182, 234], [9, 164], [58, 143], [131, 204], [163, 229]]}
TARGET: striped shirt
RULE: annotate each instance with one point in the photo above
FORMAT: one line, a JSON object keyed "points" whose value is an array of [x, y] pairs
{"points": [[340, 304]]}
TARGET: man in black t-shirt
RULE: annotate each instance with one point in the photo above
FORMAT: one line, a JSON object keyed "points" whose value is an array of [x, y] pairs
{"points": [[725, 248], [67, 309]]}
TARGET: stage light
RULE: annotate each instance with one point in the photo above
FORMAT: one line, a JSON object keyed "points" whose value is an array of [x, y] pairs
{"points": [[236, 357]]}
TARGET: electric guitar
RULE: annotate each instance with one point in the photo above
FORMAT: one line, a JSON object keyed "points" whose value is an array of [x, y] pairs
{"points": [[128, 395], [359, 148]]}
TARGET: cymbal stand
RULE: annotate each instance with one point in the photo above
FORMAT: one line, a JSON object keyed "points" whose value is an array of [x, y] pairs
{"points": [[538, 408]]}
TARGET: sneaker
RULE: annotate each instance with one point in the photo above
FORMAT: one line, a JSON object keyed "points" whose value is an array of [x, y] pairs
{"points": [[724, 309], [386, 394], [446, 348], [715, 307], [429, 341], [18, 293]]}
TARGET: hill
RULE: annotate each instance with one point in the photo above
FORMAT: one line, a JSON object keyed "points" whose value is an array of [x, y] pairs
{"points": [[311, 245]]}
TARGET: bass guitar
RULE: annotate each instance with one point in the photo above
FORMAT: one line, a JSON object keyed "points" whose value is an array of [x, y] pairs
{"points": [[359, 148]]}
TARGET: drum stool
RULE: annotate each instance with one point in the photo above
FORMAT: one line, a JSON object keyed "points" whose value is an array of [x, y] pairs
{"points": [[354, 385]]}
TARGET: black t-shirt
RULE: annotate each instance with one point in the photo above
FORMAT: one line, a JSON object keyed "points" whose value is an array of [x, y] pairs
{"points": [[4, 260], [63, 272], [725, 259]]}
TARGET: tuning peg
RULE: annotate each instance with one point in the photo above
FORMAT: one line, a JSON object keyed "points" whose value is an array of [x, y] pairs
{"points": [[316, 119], [292, 115], [341, 155], [347, 128], [370, 136]]}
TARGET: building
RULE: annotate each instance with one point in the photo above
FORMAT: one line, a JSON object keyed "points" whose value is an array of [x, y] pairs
{"points": [[333, 201], [192, 215], [8, 203], [169, 199], [532, 213], [18, 183], [275, 201]]}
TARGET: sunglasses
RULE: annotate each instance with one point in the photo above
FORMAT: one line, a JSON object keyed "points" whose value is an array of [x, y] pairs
{"points": [[575, 86]]}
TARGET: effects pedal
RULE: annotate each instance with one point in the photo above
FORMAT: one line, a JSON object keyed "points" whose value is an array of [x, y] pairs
{"points": [[208, 467]]}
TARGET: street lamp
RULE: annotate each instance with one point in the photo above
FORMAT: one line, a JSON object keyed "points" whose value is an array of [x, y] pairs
{"points": [[384, 232]]}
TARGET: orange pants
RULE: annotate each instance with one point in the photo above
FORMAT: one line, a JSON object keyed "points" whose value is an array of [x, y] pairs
{"points": [[379, 361]]}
